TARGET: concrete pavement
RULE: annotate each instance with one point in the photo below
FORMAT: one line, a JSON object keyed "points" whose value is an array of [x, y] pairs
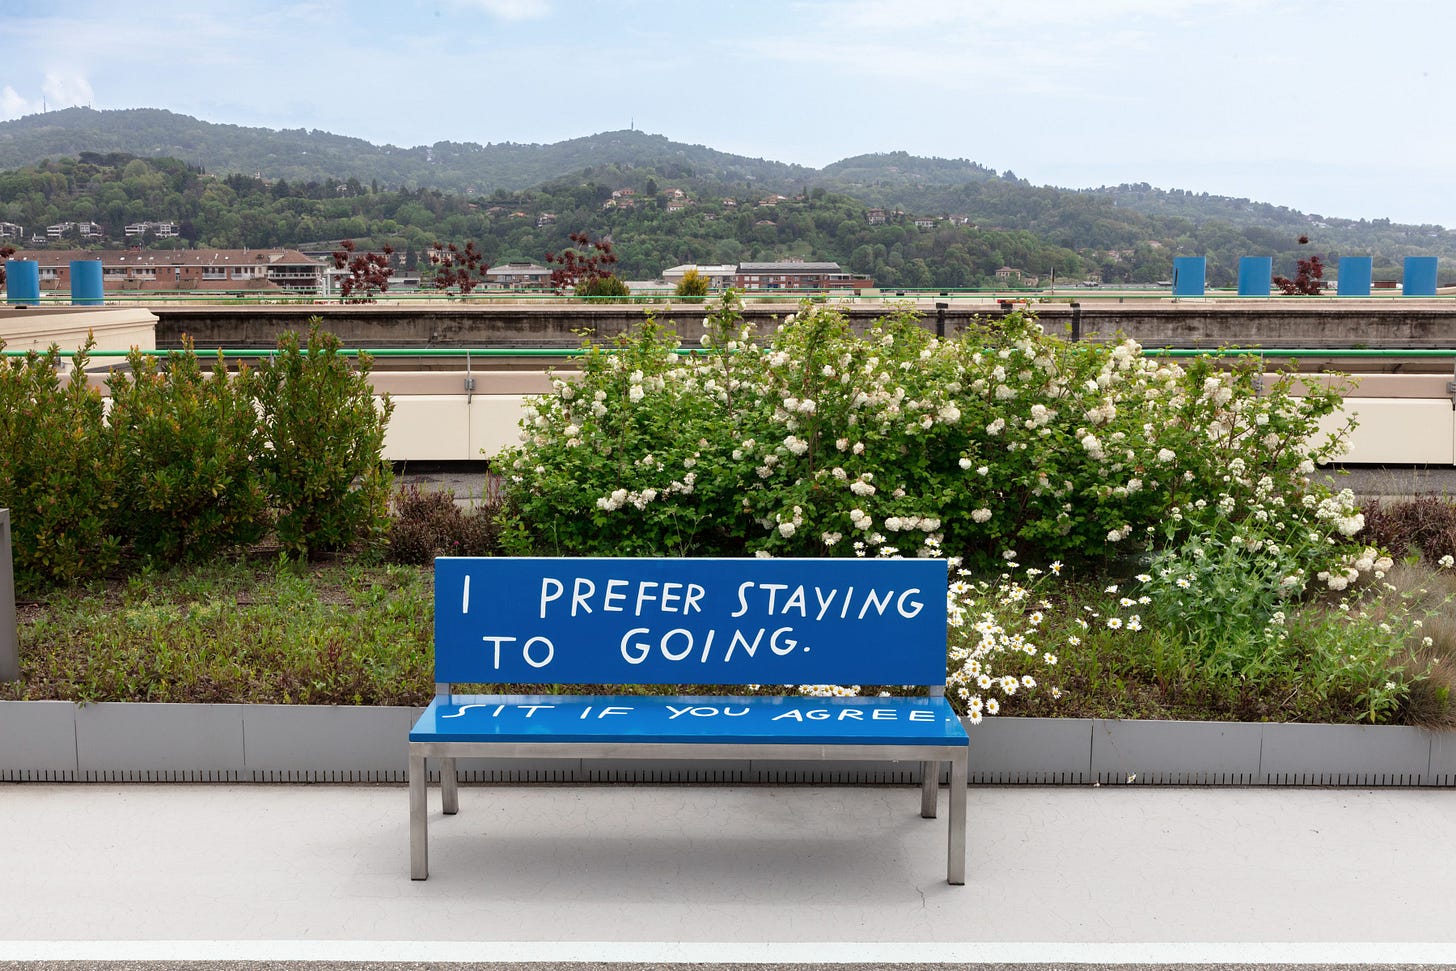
{"points": [[658, 874]]}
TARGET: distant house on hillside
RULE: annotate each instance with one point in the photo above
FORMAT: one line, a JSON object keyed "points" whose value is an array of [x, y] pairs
{"points": [[517, 274], [85, 230], [719, 275], [160, 230]]}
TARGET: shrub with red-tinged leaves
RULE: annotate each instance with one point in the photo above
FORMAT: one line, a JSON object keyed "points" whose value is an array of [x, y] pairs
{"points": [[1423, 526], [369, 273], [584, 269], [464, 269], [1308, 278], [428, 524]]}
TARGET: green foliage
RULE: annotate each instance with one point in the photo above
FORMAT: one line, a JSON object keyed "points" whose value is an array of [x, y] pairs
{"points": [[323, 435], [693, 285], [186, 443], [899, 443], [236, 632], [58, 474], [603, 286]]}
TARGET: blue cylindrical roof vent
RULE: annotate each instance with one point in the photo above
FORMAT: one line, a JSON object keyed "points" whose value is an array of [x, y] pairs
{"points": [[86, 285], [22, 281]]}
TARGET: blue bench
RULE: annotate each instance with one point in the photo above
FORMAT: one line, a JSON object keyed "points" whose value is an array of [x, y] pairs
{"points": [[615, 622]]}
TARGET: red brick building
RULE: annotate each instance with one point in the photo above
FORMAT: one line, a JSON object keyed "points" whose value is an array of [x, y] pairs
{"points": [[798, 275], [190, 269]]}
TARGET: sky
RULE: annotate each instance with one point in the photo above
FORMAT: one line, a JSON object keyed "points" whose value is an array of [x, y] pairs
{"points": [[1333, 107]]}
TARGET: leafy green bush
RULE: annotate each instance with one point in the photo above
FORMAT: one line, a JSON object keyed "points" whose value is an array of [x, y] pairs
{"points": [[428, 524], [58, 474], [322, 439], [186, 444], [899, 443], [603, 286]]}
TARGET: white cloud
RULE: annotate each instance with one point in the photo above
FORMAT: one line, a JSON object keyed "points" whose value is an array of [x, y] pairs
{"points": [[58, 90], [512, 9], [67, 90], [12, 105]]}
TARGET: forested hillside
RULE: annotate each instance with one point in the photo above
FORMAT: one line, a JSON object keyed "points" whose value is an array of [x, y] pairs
{"points": [[907, 221], [300, 155]]}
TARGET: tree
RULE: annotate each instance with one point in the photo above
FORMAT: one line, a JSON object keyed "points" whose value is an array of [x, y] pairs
{"points": [[693, 286], [1307, 278], [456, 267], [581, 271], [369, 273]]}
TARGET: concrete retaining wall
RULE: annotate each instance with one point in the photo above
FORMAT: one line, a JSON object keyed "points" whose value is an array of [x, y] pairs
{"points": [[1211, 323]]}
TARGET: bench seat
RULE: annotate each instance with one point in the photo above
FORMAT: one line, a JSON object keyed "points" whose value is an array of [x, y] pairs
{"points": [[696, 720]]}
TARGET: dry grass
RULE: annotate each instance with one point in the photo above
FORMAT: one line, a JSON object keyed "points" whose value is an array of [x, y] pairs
{"points": [[1431, 595]]}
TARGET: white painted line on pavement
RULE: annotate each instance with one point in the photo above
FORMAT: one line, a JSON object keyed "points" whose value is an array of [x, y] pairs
{"points": [[664, 952]]}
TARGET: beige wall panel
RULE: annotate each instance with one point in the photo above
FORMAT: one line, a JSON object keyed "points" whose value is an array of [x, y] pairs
{"points": [[428, 427], [494, 423], [1399, 431]]}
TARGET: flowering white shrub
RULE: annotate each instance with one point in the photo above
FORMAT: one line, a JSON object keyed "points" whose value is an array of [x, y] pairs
{"points": [[897, 443]]}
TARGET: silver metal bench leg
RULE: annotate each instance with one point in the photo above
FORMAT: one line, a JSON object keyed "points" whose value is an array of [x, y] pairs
{"points": [[956, 855], [449, 787], [419, 834], [929, 788]]}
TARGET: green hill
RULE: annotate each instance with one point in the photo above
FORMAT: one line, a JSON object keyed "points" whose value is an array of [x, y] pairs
{"points": [[936, 222]]}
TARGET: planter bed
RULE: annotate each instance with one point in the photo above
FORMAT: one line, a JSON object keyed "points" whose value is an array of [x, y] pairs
{"points": [[58, 741]]}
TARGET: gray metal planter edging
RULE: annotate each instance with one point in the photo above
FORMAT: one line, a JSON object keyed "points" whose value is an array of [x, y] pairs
{"points": [[1346, 755], [1443, 760], [1176, 753], [57, 741], [37, 741], [143, 742], [1031, 751], [321, 743]]}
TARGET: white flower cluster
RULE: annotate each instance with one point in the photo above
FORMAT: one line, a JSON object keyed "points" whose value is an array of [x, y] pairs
{"points": [[981, 618], [1368, 560], [1339, 510], [829, 690]]}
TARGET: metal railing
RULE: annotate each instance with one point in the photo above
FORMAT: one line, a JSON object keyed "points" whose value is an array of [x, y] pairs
{"points": [[550, 352], [646, 297]]}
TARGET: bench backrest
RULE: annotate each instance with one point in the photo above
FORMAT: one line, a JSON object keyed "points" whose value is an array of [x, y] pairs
{"points": [[690, 621]]}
